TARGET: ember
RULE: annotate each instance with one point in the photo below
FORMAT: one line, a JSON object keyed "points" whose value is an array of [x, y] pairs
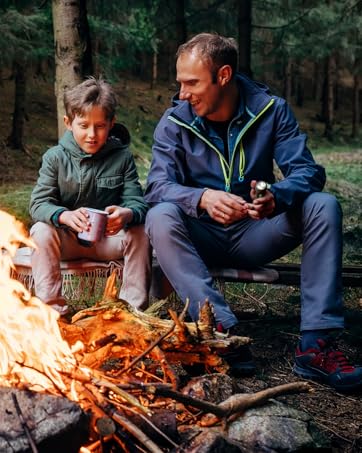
{"points": [[114, 361]]}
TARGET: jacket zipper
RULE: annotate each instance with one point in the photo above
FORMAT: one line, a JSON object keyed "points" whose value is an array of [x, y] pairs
{"points": [[227, 169]]}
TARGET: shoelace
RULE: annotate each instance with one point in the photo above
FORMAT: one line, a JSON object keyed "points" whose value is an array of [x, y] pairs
{"points": [[332, 357]]}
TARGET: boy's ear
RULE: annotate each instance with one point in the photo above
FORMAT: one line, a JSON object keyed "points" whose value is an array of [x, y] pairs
{"points": [[67, 122]]}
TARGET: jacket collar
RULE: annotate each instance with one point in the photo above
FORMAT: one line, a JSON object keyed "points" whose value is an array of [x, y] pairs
{"points": [[254, 97]]}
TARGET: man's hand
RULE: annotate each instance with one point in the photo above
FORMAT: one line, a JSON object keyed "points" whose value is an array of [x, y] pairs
{"points": [[117, 219], [223, 207], [260, 207], [77, 220]]}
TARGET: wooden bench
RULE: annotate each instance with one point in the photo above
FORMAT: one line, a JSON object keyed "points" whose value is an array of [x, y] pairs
{"points": [[284, 274], [82, 279]]}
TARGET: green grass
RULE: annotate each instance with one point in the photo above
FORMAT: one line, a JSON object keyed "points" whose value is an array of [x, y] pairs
{"points": [[14, 199]]}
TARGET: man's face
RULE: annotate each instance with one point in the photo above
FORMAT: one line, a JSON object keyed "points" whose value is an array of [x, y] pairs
{"points": [[91, 130], [197, 87]]}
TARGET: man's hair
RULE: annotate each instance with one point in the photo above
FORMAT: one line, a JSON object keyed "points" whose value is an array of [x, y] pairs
{"points": [[92, 92], [214, 49]]}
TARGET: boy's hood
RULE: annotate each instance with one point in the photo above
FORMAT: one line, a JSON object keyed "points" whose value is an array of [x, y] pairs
{"points": [[118, 137]]}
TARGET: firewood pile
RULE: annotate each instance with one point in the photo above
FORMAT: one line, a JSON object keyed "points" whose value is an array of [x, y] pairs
{"points": [[121, 366], [135, 357]]}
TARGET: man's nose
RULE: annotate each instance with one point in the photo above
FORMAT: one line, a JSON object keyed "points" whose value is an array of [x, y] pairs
{"points": [[184, 94]]}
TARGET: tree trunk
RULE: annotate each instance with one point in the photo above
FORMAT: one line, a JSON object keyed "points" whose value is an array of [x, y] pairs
{"points": [[330, 78], [87, 63], [154, 69], [356, 107], [70, 44], [16, 137], [299, 95], [317, 82], [288, 69], [244, 33], [180, 36]]}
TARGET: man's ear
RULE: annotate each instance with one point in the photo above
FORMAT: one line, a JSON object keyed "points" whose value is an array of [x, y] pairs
{"points": [[224, 75], [67, 122]]}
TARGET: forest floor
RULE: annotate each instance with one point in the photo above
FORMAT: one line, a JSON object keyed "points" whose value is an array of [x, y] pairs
{"points": [[268, 314]]}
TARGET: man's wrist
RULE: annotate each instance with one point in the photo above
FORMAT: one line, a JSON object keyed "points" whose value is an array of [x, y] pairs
{"points": [[202, 203]]}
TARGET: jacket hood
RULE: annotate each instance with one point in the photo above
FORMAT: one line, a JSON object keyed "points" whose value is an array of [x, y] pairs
{"points": [[255, 95], [118, 137]]}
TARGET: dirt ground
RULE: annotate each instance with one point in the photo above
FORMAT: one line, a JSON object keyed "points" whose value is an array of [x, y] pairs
{"points": [[275, 334], [270, 316]]}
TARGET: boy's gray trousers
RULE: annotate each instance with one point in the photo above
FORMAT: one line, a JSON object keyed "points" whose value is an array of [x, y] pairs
{"points": [[186, 247], [56, 244]]}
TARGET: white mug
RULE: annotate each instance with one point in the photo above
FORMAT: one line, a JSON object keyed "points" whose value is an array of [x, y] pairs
{"points": [[98, 223]]}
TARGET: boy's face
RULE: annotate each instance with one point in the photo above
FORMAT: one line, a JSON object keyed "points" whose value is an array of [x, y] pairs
{"points": [[91, 130]]}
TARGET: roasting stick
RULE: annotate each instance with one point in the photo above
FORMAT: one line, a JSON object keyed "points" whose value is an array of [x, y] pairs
{"points": [[24, 424]]}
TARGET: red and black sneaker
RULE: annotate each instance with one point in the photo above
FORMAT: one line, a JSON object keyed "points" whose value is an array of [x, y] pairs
{"points": [[328, 365]]}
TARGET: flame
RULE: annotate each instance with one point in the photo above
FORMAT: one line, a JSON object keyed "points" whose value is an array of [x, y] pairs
{"points": [[32, 351]]}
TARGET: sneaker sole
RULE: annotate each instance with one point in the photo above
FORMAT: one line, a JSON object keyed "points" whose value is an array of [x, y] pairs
{"points": [[314, 376]]}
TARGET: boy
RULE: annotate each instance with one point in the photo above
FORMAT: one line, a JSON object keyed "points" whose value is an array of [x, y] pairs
{"points": [[91, 167]]}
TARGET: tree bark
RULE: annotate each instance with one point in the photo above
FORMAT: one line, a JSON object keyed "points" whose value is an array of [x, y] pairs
{"points": [[15, 139], [70, 42], [244, 33]]}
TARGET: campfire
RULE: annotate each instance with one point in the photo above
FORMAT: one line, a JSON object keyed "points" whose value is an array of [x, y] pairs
{"points": [[121, 366]]}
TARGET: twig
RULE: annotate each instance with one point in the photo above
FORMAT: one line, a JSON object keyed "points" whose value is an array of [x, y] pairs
{"points": [[167, 392], [136, 432], [144, 353], [149, 422], [24, 424]]}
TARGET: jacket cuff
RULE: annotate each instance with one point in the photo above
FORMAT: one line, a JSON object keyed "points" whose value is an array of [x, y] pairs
{"points": [[55, 217]]}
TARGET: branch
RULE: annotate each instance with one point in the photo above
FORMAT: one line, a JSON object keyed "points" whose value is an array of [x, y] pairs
{"points": [[236, 404], [24, 424], [239, 403]]}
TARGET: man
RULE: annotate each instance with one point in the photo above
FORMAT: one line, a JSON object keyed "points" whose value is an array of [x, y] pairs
{"points": [[219, 137]]}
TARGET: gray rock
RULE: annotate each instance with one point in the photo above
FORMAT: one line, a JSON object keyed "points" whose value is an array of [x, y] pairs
{"points": [[276, 427], [56, 424]]}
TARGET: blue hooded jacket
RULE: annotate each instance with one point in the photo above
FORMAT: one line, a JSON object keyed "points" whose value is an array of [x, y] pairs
{"points": [[188, 156]]}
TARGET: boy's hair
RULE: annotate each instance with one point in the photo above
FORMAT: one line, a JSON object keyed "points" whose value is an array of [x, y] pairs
{"points": [[92, 92], [216, 50]]}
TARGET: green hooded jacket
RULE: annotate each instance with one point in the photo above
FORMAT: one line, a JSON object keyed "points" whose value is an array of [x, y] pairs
{"points": [[69, 179]]}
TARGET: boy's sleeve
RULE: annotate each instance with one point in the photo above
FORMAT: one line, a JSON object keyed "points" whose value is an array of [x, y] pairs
{"points": [[132, 196], [45, 197]]}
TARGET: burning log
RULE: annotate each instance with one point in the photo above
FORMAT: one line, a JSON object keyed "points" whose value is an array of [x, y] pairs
{"points": [[115, 330]]}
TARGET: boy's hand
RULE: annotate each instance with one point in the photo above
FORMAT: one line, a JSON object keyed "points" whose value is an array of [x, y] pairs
{"points": [[77, 220], [224, 207], [260, 207], [117, 219]]}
